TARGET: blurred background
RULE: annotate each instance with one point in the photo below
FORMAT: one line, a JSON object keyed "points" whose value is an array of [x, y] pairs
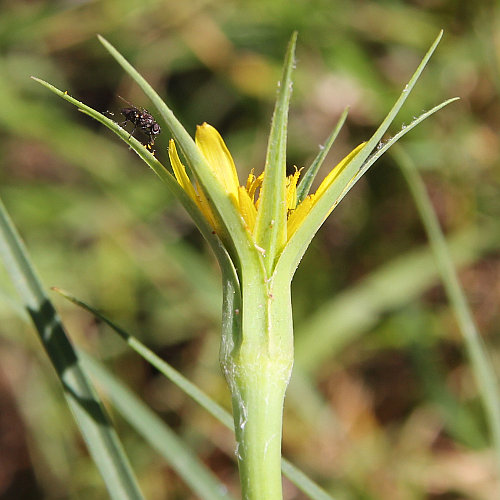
{"points": [[382, 403]]}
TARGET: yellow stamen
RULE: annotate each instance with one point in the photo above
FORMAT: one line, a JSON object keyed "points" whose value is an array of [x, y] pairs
{"points": [[291, 189], [250, 179], [256, 184]]}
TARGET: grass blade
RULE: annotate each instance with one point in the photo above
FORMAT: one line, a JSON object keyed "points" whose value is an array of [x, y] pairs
{"points": [[481, 362], [324, 334], [296, 476], [171, 373], [157, 434], [95, 426]]}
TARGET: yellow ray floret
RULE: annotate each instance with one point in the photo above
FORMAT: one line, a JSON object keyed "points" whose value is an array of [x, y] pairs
{"points": [[183, 179], [247, 209], [180, 170], [297, 216], [215, 151], [337, 170]]}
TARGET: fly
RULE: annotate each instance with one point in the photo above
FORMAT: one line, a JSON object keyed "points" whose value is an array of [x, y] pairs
{"points": [[141, 119]]}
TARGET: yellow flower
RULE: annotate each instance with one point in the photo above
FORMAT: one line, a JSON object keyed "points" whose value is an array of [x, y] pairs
{"points": [[245, 198]]}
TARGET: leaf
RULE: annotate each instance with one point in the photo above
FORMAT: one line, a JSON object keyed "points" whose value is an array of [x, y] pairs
{"points": [[206, 230], [223, 206], [154, 430], [295, 475], [481, 362], [95, 426], [270, 227]]}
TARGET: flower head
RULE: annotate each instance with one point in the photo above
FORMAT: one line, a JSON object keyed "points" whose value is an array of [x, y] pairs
{"points": [[246, 197]]}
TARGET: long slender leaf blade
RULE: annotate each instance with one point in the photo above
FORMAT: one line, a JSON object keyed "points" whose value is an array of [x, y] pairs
{"points": [[390, 142], [171, 183], [481, 363], [158, 434], [296, 476], [308, 178], [402, 280], [306, 485], [220, 201], [171, 373], [270, 227], [299, 242], [95, 426]]}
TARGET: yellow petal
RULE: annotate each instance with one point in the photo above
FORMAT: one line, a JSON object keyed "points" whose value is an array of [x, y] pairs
{"points": [[204, 206], [247, 208], [218, 158], [183, 179], [337, 170], [297, 216], [180, 170]]}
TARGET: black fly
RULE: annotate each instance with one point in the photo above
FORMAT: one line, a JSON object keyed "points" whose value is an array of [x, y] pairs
{"points": [[141, 118]]}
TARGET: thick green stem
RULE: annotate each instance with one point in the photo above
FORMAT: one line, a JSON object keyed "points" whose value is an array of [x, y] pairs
{"points": [[258, 410], [258, 367]]}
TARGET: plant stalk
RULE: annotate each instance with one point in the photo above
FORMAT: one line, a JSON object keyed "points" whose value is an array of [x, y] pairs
{"points": [[257, 362]]}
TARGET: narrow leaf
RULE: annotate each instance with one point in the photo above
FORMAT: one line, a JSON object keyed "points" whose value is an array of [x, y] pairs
{"points": [[390, 142], [300, 240], [481, 362], [383, 149], [305, 184], [201, 222], [297, 477], [270, 227], [337, 322], [171, 373], [158, 434], [87, 408]]}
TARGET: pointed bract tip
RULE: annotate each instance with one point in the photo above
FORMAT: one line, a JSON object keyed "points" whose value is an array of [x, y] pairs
{"points": [[438, 38], [102, 40]]}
